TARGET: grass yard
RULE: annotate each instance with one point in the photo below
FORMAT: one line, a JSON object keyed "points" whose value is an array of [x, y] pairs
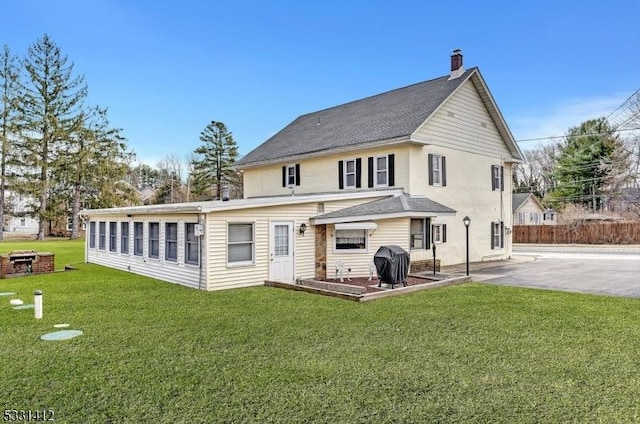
{"points": [[157, 352]]}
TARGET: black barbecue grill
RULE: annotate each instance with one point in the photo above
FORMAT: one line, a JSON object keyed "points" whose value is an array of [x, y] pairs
{"points": [[392, 265]]}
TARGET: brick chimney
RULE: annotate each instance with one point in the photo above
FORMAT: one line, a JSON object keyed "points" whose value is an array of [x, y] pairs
{"points": [[456, 64]]}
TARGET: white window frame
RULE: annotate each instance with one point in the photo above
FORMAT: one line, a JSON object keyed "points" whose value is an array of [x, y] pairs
{"points": [[521, 218], [377, 171], [436, 168], [424, 234], [252, 242], [69, 223], [102, 235], [291, 175], [496, 235], [138, 225], [124, 237], [153, 239], [113, 236], [437, 232], [346, 173], [92, 234], [188, 260], [168, 243], [365, 249], [23, 222]]}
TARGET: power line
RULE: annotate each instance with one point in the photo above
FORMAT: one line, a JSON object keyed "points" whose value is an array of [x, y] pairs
{"points": [[574, 136], [624, 103]]}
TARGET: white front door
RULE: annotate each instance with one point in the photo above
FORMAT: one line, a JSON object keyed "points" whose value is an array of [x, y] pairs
{"points": [[281, 263]]}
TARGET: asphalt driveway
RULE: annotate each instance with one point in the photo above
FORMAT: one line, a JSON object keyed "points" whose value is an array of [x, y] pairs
{"points": [[607, 270]]}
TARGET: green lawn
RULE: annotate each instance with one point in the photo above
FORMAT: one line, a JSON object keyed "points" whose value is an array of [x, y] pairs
{"points": [[157, 352]]}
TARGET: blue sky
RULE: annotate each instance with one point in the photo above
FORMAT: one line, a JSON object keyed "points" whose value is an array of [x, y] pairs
{"points": [[166, 68]]}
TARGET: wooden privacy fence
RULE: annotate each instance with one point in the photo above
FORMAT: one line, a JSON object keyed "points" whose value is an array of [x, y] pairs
{"points": [[586, 233]]}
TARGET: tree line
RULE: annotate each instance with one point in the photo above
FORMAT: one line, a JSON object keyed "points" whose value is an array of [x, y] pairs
{"points": [[64, 154], [591, 166]]}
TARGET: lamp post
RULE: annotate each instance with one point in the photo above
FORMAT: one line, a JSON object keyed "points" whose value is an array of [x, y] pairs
{"points": [[467, 221]]}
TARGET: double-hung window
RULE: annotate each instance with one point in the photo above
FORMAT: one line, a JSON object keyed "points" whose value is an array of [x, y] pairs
{"points": [[418, 231], [497, 178], [191, 245], [102, 235], [92, 235], [439, 233], [497, 235], [291, 175], [350, 173], [240, 243], [154, 240], [124, 237], [381, 171], [171, 241], [113, 240], [437, 170], [138, 238]]}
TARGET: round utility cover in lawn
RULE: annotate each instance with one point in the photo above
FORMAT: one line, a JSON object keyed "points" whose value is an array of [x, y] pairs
{"points": [[7, 294], [27, 306], [61, 335]]}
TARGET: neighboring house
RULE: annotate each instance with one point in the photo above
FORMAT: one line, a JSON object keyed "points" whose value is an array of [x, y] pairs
{"points": [[527, 210], [16, 219], [402, 167]]}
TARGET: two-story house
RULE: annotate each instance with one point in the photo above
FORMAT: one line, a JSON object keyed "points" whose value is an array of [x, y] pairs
{"points": [[402, 167]]}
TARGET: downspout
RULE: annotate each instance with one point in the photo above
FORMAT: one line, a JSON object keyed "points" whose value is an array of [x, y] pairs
{"points": [[201, 244]]}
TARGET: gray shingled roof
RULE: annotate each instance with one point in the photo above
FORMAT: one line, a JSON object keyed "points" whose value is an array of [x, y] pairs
{"points": [[403, 204], [517, 199], [384, 116]]}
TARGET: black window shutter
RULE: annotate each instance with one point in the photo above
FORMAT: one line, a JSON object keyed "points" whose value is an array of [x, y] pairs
{"points": [[358, 172], [284, 176], [297, 174], [391, 168], [444, 233], [430, 166], [444, 170], [370, 170], [340, 174], [502, 178], [501, 234]]}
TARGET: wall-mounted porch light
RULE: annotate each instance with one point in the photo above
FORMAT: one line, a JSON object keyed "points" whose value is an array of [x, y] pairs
{"points": [[303, 228]]}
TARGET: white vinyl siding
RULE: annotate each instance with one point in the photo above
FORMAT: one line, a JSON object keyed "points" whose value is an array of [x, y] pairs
{"points": [[458, 125], [162, 269]]}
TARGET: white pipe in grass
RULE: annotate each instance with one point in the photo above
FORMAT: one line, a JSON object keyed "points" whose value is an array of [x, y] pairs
{"points": [[37, 296]]}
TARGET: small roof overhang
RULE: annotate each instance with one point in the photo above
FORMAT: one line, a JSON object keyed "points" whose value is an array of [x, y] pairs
{"points": [[359, 225], [400, 206]]}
